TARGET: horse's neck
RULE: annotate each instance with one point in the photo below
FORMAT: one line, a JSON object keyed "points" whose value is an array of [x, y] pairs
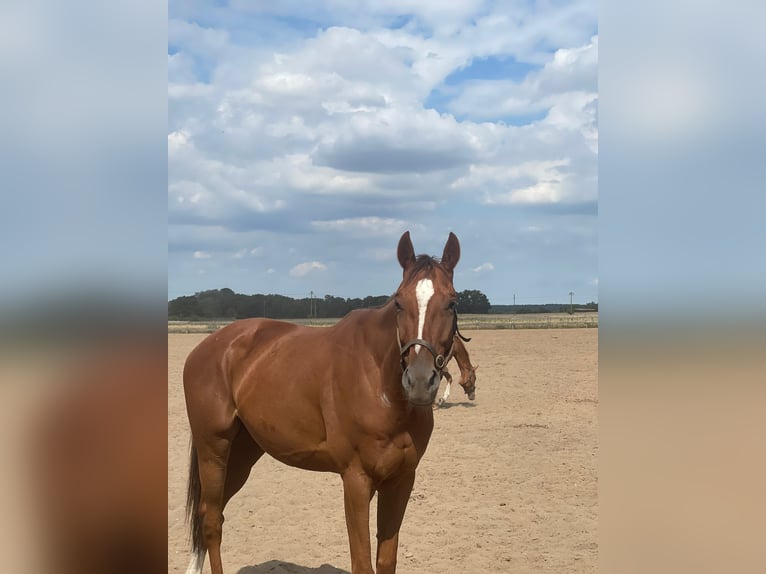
{"points": [[463, 361], [378, 333], [379, 326]]}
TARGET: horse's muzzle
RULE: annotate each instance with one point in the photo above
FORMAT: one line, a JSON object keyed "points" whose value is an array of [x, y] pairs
{"points": [[420, 385]]}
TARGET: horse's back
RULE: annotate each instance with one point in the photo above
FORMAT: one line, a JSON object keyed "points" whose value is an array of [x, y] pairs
{"points": [[213, 348], [207, 377]]}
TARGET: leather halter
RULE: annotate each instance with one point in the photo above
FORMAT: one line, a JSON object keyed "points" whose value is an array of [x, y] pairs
{"points": [[440, 361]]}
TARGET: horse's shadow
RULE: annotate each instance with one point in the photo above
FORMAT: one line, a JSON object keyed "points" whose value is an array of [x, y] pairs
{"points": [[466, 404], [279, 567]]}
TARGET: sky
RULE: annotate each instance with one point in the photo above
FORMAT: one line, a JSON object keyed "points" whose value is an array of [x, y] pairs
{"points": [[305, 138]]}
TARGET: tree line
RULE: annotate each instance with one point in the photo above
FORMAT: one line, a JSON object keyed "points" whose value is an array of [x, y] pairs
{"points": [[226, 304], [542, 308]]}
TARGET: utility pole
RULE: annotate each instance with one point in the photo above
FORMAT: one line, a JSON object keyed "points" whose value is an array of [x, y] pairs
{"points": [[311, 306], [571, 294], [514, 299]]}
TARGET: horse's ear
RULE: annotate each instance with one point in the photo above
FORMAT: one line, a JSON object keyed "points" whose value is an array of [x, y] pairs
{"points": [[451, 254], [405, 252]]}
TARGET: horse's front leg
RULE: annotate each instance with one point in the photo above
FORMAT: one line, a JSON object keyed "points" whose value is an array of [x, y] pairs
{"points": [[357, 493], [393, 497], [448, 378]]}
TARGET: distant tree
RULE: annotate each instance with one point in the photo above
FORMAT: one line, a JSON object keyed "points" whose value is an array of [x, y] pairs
{"points": [[186, 307], [333, 307], [226, 304], [250, 306], [369, 301], [219, 303], [472, 301]]}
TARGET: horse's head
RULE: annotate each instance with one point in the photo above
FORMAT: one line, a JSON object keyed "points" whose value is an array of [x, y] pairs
{"points": [[468, 382], [426, 317]]}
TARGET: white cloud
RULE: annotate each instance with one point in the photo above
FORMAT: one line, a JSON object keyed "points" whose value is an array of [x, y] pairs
{"points": [[181, 68], [338, 137], [210, 188], [303, 269], [193, 38], [299, 172], [397, 140], [540, 182], [480, 176], [542, 192], [483, 267], [363, 226], [185, 91], [380, 253], [343, 114], [201, 255], [566, 75], [594, 281], [254, 252]]}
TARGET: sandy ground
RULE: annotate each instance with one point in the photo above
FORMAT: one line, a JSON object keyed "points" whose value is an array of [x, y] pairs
{"points": [[508, 483]]}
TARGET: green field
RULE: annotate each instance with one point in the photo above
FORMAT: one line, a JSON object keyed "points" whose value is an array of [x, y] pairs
{"points": [[466, 322]]}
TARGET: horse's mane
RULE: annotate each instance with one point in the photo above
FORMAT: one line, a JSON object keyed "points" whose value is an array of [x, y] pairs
{"points": [[424, 263]]}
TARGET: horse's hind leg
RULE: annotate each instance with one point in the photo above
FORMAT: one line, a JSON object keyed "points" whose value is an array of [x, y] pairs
{"points": [[213, 457], [244, 453], [224, 465]]}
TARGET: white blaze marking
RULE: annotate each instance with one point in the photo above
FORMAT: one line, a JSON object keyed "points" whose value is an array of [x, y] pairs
{"points": [[424, 290]]}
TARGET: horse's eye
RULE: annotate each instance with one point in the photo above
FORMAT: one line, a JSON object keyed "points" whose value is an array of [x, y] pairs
{"points": [[397, 305], [452, 305]]}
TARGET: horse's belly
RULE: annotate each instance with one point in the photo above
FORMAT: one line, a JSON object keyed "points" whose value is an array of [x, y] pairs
{"points": [[318, 459], [297, 439]]}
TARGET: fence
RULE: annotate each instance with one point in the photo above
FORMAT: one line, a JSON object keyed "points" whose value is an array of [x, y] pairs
{"points": [[466, 322]]}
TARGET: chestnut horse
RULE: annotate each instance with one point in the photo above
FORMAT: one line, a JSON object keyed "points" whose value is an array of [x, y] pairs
{"points": [[350, 399], [467, 371]]}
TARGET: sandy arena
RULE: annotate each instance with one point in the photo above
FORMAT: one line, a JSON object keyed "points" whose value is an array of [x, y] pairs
{"points": [[508, 484]]}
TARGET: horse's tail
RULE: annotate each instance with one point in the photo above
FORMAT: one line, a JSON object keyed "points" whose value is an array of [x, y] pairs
{"points": [[193, 495]]}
